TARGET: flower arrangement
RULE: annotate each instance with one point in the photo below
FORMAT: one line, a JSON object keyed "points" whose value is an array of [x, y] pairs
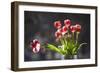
{"points": [[67, 37]]}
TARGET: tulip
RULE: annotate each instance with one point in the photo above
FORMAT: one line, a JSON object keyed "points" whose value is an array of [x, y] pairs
{"points": [[35, 45], [78, 27], [64, 30], [57, 24], [72, 28], [58, 33], [67, 23]]}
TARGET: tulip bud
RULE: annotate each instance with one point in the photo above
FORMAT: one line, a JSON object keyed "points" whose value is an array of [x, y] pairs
{"points": [[57, 24], [64, 30], [72, 29], [67, 23], [58, 33], [78, 27]]}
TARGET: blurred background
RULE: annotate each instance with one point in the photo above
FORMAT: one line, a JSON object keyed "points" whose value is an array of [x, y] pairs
{"points": [[40, 25]]}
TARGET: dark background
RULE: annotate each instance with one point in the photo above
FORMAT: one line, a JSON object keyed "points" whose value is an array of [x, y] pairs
{"points": [[39, 25]]}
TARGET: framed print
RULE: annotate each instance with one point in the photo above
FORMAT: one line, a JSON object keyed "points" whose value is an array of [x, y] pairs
{"points": [[52, 36]]}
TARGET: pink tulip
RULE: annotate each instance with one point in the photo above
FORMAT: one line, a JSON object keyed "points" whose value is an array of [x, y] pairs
{"points": [[57, 24], [58, 33], [72, 28], [78, 27], [35, 45], [67, 23], [64, 30]]}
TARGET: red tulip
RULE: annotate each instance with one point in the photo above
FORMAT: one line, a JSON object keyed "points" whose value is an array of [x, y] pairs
{"points": [[58, 33], [72, 28], [57, 24], [64, 30], [35, 45], [78, 27], [67, 23]]}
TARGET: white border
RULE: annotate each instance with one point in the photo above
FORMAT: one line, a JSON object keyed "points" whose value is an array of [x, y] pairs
{"points": [[23, 64]]}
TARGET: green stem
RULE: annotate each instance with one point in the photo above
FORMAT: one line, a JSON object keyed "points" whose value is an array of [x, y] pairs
{"points": [[61, 41], [77, 37], [65, 40], [73, 36]]}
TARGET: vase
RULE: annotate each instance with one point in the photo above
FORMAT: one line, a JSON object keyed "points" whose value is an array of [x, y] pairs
{"points": [[70, 57], [62, 57]]}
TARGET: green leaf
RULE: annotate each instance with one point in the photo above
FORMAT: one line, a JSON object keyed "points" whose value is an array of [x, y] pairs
{"points": [[77, 47], [74, 51], [54, 48], [62, 41], [82, 44], [65, 45]]}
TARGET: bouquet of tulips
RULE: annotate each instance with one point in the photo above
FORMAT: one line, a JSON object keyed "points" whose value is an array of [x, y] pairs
{"points": [[67, 36]]}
